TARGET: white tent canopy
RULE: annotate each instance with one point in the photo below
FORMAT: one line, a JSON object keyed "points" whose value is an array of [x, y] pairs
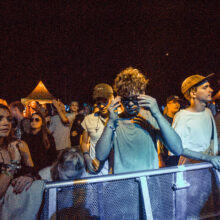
{"points": [[40, 94]]}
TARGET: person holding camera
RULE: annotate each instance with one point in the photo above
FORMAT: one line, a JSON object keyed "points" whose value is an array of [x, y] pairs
{"points": [[134, 133]]}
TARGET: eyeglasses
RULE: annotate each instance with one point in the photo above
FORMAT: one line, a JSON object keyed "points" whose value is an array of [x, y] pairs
{"points": [[126, 100], [35, 119]]}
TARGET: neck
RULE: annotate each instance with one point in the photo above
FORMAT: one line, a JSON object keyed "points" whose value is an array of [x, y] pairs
{"points": [[197, 105], [35, 131], [170, 114]]}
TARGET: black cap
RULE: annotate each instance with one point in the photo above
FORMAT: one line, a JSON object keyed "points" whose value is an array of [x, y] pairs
{"points": [[173, 97]]}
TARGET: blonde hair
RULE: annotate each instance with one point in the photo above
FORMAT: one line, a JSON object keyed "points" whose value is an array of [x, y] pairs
{"points": [[129, 81]]}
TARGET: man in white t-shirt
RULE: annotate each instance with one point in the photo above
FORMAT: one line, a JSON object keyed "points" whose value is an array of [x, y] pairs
{"points": [[93, 125], [60, 126], [195, 124]]}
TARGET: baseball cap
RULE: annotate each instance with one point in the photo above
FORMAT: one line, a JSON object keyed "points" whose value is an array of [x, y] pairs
{"points": [[173, 97], [102, 90], [193, 80]]}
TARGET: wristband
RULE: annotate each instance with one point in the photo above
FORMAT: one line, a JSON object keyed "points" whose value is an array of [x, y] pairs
{"points": [[84, 153], [8, 173], [109, 126]]}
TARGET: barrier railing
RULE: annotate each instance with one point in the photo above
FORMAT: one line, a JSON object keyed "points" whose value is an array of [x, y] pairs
{"points": [[182, 192]]}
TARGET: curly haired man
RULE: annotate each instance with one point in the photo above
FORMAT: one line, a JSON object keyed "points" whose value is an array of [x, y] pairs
{"points": [[134, 133]]}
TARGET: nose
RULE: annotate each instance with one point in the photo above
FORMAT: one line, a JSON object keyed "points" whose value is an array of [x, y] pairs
{"points": [[130, 103], [210, 89]]}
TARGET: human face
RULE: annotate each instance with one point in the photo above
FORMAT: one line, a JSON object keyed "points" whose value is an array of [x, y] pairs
{"points": [[130, 105], [5, 122], [102, 105], [70, 169], [74, 107], [36, 121], [173, 106], [204, 92]]}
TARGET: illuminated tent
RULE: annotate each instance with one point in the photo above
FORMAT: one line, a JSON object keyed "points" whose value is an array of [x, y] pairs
{"points": [[40, 94]]}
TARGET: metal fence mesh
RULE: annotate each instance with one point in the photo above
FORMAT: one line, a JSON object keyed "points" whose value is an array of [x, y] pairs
{"points": [[122, 199]]}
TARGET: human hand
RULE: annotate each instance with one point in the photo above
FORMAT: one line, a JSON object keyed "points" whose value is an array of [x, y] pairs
{"points": [[150, 103], [21, 183], [56, 103], [14, 152], [74, 133], [113, 115], [89, 164]]}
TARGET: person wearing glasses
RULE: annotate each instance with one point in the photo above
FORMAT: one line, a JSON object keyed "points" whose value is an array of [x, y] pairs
{"points": [[93, 125], [133, 134], [41, 142]]}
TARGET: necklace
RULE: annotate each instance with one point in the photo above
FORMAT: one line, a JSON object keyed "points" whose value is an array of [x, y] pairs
{"points": [[97, 126]]}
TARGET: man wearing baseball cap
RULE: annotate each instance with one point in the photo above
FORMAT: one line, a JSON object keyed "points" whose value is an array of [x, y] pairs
{"points": [[93, 125], [195, 124]]}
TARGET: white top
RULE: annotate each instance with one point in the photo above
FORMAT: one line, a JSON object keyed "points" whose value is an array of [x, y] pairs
{"points": [[94, 125], [195, 129], [60, 131]]}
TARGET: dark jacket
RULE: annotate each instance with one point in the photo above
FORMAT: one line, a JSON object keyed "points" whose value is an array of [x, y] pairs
{"points": [[40, 155]]}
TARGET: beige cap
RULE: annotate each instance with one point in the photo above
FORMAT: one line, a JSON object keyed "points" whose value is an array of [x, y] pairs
{"points": [[193, 80], [102, 90]]}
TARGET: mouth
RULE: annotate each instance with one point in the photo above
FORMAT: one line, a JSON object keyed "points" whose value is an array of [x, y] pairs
{"points": [[4, 130]]}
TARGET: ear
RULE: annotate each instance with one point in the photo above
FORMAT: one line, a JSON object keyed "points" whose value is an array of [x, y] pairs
{"points": [[192, 94]]}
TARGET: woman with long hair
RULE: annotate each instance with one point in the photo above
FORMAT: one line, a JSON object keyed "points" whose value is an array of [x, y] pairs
{"points": [[40, 142], [12, 154]]}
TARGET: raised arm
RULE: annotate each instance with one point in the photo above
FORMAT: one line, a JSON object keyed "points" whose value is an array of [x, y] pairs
{"points": [[104, 144], [170, 138], [59, 106]]}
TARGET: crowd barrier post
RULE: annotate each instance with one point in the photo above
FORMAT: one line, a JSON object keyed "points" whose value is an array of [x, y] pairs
{"points": [[146, 197]]}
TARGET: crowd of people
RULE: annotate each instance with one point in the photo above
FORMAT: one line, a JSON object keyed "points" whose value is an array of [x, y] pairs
{"points": [[124, 131]]}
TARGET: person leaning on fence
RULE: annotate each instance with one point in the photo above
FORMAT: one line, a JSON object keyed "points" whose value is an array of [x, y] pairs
{"points": [[93, 125], [195, 124], [134, 133], [69, 165]]}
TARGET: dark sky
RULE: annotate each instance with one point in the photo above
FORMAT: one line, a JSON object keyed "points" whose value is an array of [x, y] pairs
{"points": [[73, 45]]}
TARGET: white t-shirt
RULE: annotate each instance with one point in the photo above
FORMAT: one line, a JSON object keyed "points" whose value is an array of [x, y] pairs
{"points": [[94, 124], [60, 131], [195, 129]]}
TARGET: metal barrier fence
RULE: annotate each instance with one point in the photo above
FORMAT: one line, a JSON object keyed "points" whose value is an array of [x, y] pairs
{"points": [[183, 192]]}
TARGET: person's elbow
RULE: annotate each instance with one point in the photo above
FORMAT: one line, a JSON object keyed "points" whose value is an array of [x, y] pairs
{"points": [[178, 148]]}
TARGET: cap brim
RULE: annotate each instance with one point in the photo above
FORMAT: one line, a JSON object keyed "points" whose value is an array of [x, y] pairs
{"points": [[207, 77]]}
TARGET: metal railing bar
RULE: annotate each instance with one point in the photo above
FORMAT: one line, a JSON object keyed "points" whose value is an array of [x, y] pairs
{"points": [[154, 172]]}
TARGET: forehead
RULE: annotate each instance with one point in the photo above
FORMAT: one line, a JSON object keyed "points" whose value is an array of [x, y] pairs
{"points": [[204, 84], [173, 101], [35, 116], [74, 103]]}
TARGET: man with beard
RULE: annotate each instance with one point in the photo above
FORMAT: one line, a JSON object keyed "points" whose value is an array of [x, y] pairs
{"points": [[135, 132]]}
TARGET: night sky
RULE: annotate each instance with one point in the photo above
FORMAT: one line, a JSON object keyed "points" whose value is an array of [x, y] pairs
{"points": [[73, 45]]}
